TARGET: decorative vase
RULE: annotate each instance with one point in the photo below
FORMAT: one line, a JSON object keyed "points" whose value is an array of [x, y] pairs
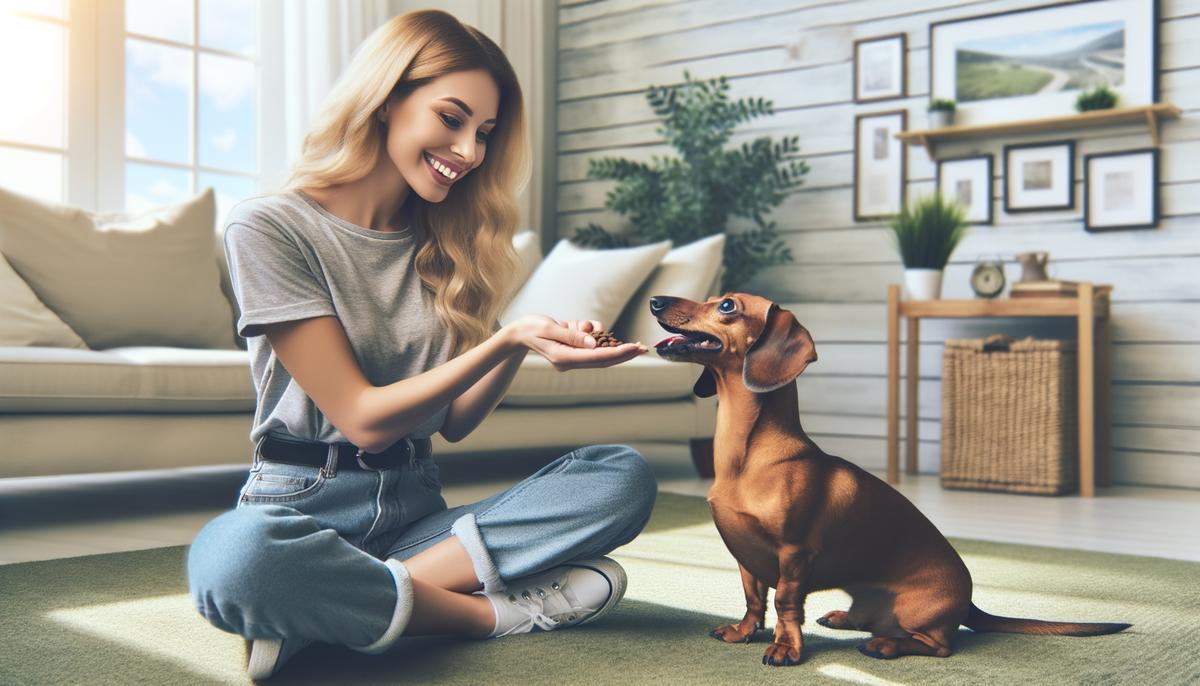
{"points": [[923, 284], [940, 119], [1033, 266]]}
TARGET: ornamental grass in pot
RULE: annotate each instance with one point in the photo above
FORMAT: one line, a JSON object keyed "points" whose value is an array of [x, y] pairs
{"points": [[926, 232]]}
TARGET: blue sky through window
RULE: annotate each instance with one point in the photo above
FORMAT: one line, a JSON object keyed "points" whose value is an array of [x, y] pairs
{"points": [[163, 82], [227, 114], [158, 86]]}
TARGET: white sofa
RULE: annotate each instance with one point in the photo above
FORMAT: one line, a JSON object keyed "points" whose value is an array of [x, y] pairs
{"points": [[71, 410]]}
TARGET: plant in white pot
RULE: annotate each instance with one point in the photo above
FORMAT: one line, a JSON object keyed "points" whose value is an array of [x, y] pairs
{"points": [[941, 113], [926, 232]]}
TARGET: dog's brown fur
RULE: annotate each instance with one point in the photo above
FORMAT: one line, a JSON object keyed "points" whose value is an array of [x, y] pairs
{"points": [[799, 520]]}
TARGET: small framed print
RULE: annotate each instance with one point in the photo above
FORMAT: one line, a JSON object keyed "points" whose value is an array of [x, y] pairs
{"points": [[1039, 176], [879, 164], [968, 181], [880, 68], [1120, 190]]}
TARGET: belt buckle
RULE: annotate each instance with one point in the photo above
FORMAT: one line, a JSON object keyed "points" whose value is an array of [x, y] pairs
{"points": [[358, 458], [412, 453]]}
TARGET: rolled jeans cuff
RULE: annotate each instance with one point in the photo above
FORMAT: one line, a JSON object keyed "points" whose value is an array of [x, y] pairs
{"points": [[400, 615], [467, 531]]}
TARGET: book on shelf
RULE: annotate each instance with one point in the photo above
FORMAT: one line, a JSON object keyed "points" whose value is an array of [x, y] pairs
{"points": [[1045, 289]]}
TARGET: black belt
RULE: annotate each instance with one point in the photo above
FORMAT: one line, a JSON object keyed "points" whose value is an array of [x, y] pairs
{"points": [[349, 456]]}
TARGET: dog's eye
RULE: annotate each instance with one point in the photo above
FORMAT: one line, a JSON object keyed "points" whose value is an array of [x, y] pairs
{"points": [[727, 306]]}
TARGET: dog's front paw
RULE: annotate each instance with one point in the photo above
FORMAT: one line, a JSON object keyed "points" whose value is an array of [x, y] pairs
{"points": [[781, 655], [733, 633]]}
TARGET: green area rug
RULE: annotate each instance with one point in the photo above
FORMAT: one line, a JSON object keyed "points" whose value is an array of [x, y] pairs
{"points": [[126, 618]]}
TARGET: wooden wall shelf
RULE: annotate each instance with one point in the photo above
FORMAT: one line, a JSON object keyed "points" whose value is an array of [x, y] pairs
{"points": [[1150, 114]]}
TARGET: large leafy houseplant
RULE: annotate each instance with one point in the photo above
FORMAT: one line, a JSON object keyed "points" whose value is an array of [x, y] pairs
{"points": [[694, 195]]}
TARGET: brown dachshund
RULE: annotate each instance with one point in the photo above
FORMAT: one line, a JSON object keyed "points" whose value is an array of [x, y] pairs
{"points": [[799, 520]]}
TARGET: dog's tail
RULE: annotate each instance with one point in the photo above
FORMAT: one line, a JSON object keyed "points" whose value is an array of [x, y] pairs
{"points": [[978, 620]]}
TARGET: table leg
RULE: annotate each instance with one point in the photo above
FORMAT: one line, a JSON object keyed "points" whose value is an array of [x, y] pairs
{"points": [[1087, 391], [913, 377], [1104, 398], [893, 384]]}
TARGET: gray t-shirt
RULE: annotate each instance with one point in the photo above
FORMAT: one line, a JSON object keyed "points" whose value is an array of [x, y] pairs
{"points": [[291, 259]]}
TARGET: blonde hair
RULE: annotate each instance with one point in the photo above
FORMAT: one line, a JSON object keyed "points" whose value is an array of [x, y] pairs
{"points": [[465, 253]]}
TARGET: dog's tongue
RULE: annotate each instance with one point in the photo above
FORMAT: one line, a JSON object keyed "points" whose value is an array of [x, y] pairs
{"points": [[669, 341]]}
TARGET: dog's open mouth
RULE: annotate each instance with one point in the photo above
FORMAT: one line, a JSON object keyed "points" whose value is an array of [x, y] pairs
{"points": [[686, 342]]}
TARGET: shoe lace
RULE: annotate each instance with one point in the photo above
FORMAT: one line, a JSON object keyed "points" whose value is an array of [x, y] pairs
{"points": [[532, 601]]}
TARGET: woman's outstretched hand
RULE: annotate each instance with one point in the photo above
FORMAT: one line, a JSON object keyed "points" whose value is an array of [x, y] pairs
{"points": [[567, 344]]}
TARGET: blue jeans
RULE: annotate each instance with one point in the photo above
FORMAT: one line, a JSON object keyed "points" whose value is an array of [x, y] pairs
{"points": [[302, 554]]}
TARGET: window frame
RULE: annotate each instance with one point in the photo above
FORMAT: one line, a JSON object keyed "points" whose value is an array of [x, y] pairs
{"points": [[94, 119]]}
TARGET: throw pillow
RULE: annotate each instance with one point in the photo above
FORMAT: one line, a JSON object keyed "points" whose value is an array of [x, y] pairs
{"points": [[686, 272], [529, 256], [580, 283], [122, 279], [27, 320]]}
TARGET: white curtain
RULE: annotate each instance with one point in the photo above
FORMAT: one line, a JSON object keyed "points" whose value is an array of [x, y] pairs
{"points": [[320, 37]]}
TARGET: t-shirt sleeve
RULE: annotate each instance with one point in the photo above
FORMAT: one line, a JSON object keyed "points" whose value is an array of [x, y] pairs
{"points": [[272, 280]]}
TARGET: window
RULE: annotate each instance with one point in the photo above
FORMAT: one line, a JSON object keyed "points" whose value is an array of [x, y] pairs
{"points": [[190, 101], [33, 137], [136, 103]]}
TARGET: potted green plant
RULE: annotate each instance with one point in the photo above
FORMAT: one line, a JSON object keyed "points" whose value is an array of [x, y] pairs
{"points": [[941, 113], [698, 192], [1099, 98], [926, 232]]}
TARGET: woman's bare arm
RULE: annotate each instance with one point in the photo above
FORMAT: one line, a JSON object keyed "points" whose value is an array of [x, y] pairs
{"points": [[318, 356]]}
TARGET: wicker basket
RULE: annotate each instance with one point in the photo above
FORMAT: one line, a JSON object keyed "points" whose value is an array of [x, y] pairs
{"points": [[1009, 416]]}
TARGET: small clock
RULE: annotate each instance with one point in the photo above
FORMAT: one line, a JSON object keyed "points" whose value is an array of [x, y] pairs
{"points": [[988, 279]]}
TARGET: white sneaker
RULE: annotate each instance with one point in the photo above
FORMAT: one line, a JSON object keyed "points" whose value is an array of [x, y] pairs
{"points": [[268, 655], [575, 593]]}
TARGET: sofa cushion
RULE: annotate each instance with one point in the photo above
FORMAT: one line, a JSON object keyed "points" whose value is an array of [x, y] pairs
{"points": [[27, 320], [580, 283], [122, 279], [642, 379], [146, 379], [179, 380], [529, 256]]}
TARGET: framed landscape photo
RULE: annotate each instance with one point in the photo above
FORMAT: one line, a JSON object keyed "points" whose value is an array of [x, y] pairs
{"points": [[968, 181], [1032, 63], [879, 164], [1120, 190], [880, 68], [1039, 176]]}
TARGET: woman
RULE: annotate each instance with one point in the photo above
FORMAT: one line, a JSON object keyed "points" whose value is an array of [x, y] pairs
{"points": [[368, 293]]}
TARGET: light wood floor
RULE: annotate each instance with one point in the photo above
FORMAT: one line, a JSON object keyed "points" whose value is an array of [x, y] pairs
{"points": [[56, 517]]}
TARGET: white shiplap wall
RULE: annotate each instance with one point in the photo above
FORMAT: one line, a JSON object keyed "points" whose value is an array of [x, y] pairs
{"points": [[798, 53]]}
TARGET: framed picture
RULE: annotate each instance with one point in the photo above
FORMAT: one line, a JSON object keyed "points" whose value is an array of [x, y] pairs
{"points": [[879, 163], [1120, 190], [968, 181], [880, 68], [1039, 176], [1031, 63]]}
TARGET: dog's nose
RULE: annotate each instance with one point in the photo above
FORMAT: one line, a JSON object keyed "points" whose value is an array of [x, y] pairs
{"points": [[658, 303]]}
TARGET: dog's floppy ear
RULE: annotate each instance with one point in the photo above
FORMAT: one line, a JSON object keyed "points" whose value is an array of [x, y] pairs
{"points": [[782, 351], [706, 385]]}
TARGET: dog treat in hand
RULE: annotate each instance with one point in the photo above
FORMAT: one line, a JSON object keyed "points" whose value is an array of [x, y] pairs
{"points": [[605, 339]]}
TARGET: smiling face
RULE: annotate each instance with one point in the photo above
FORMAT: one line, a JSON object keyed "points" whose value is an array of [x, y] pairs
{"points": [[438, 133]]}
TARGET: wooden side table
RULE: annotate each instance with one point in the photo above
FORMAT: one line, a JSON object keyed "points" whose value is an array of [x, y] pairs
{"points": [[1094, 325]]}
